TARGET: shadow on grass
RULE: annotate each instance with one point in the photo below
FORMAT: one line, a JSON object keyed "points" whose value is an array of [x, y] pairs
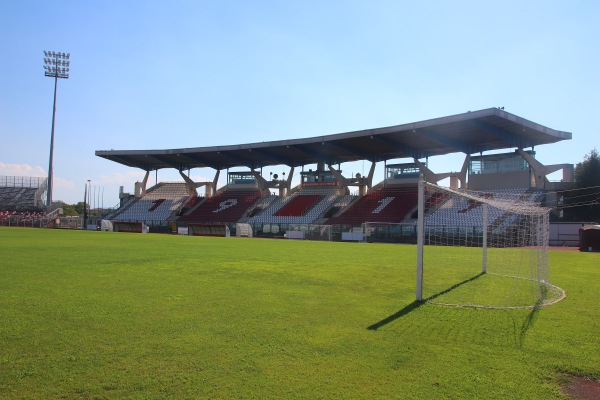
{"points": [[528, 322], [406, 310], [416, 304]]}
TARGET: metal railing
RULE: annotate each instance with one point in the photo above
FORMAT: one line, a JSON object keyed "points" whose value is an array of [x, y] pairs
{"points": [[22, 181]]}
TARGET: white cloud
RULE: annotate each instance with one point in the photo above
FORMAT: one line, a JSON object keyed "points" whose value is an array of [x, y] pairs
{"points": [[198, 178], [62, 183], [119, 178], [30, 171], [22, 170]]}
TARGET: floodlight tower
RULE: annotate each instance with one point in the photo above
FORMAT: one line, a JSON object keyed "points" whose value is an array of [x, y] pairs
{"points": [[56, 65], [85, 205]]}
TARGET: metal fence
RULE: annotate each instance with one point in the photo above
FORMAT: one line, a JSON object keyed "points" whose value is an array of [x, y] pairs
{"points": [[22, 181]]}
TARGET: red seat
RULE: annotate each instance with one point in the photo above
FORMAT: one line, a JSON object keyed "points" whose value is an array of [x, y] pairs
{"points": [[299, 205], [384, 205], [227, 206]]}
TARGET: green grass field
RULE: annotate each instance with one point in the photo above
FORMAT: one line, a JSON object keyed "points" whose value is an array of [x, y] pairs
{"points": [[99, 315]]}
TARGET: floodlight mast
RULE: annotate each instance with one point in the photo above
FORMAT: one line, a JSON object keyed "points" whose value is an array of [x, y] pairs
{"points": [[56, 65]]}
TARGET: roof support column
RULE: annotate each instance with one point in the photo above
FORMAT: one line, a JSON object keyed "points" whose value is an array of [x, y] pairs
{"points": [[343, 182], [144, 183], [428, 174], [191, 186], [367, 183], [540, 170], [286, 186], [263, 184], [462, 177], [212, 188]]}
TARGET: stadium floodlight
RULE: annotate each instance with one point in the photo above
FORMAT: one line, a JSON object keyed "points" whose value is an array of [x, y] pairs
{"points": [[58, 59], [85, 204]]}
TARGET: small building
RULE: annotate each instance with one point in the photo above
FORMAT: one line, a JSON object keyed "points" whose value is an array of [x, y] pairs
{"points": [[589, 238]]}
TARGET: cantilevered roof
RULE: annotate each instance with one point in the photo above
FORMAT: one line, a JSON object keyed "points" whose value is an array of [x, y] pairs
{"points": [[469, 133]]}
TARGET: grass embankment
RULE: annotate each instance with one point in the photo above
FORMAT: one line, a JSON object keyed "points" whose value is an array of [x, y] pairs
{"points": [[102, 315]]}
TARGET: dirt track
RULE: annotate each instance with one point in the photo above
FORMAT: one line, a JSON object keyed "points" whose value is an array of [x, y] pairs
{"points": [[563, 248]]}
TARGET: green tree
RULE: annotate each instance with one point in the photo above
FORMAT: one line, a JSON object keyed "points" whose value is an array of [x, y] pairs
{"points": [[79, 207], [69, 210], [584, 202]]}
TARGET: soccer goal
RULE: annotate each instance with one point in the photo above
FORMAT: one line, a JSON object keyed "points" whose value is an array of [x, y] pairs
{"points": [[388, 232], [485, 250], [309, 232]]}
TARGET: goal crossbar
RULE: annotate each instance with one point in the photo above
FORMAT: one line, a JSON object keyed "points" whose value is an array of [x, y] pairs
{"points": [[482, 249]]}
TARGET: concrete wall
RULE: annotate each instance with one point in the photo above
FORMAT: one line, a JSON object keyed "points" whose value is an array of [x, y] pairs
{"points": [[565, 233], [504, 180]]}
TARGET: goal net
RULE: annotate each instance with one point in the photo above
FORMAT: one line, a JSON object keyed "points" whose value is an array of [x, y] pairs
{"points": [[309, 232], [483, 249], [388, 232]]}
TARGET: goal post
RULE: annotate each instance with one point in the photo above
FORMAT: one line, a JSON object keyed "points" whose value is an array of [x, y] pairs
{"points": [[309, 232], [482, 249], [420, 237]]}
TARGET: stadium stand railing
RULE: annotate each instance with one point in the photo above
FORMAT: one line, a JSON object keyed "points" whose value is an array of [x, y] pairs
{"points": [[24, 219], [22, 193]]}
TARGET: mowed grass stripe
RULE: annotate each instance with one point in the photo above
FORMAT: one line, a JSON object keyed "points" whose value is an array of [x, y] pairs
{"points": [[108, 315]]}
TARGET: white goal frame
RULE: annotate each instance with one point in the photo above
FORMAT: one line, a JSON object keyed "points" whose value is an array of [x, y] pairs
{"points": [[518, 263], [309, 232]]}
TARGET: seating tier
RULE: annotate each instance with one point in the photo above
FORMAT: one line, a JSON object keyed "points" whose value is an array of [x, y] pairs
{"points": [[384, 205], [299, 205], [227, 206], [158, 204]]}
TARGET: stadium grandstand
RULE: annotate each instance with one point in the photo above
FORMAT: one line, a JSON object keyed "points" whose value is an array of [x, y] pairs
{"points": [[499, 152], [156, 206], [22, 201]]}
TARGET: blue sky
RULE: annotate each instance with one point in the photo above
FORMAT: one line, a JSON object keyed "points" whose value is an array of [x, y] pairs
{"points": [[155, 75]]}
